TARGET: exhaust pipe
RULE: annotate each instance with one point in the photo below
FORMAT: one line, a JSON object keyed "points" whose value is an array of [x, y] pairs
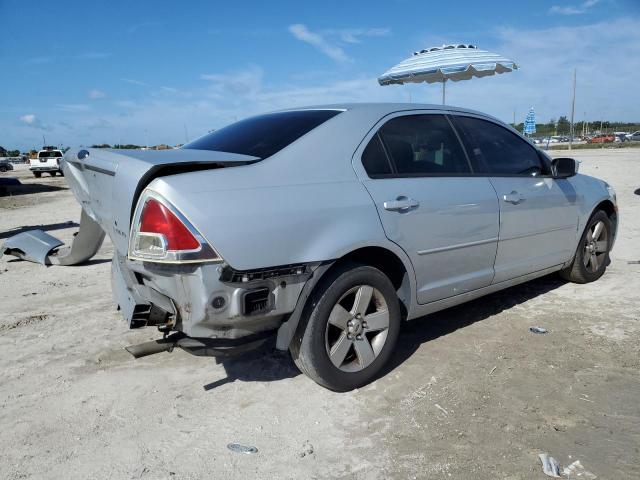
{"points": [[208, 347], [154, 346]]}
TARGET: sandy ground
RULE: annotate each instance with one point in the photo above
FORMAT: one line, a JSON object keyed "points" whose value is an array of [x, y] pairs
{"points": [[471, 393]]}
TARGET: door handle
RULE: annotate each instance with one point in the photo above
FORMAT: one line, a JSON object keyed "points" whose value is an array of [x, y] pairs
{"points": [[401, 204], [513, 197]]}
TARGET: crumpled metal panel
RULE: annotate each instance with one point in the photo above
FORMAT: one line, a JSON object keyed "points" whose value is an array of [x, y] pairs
{"points": [[40, 247], [34, 246]]}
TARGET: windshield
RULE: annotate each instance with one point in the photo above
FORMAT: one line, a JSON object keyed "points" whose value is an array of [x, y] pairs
{"points": [[50, 154], [264, 135]]}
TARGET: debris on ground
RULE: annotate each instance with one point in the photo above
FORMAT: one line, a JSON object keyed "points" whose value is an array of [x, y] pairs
{"points": [[539, 330], [307, 449], [576, 470], [441, 409], [550, 465], [239, 448]]}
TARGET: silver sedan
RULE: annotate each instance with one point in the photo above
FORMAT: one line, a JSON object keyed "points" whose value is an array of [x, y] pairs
{"points": [[329, 227]]}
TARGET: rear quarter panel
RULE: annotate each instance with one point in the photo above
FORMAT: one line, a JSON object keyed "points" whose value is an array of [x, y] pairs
{"points": [[269, 225]]}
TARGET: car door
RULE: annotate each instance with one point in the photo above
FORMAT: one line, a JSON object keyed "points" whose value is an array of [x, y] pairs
{"points": [[538, 214], [446, 220]]}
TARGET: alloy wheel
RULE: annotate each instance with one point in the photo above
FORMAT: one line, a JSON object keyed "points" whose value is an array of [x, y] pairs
{"points": [[357, 328], [596, 246]]}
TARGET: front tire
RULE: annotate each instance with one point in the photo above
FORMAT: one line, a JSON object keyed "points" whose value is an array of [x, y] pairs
{"points": [[352, 327], [592, 257]]}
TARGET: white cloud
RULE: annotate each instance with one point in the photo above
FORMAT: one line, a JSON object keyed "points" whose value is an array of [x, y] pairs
{"points": [[355, 35], [302, 33], [603, 54], [29, 119], [74, 107], [135, 82], [96, 94], [242, 82], [32, 121], [573, 9]]}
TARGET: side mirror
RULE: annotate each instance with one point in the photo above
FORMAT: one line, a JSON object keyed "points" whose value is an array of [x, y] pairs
{"points": [[564, 167]]}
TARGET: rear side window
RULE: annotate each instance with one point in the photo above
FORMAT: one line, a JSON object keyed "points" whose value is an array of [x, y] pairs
{"points": [[374, 158], [423, 145], [495, 150], [264, 135]]}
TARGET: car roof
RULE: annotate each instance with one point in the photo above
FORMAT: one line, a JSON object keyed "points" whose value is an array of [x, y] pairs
{"points": [[387, 107]]}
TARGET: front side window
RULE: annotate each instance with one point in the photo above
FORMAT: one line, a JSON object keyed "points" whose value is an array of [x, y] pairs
{"points": [[423, 145], [264, 135], [495, 150]]}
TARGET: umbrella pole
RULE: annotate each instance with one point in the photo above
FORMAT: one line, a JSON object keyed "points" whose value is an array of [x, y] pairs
{"points": [[444, 80], [573, 108]]}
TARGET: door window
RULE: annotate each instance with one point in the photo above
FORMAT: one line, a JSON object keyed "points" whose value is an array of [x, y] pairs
{"points": [[419, 145], [374, 158], [495, 150]]}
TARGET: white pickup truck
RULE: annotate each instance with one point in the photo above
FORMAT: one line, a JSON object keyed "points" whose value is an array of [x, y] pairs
{"points": [[48, 160]]}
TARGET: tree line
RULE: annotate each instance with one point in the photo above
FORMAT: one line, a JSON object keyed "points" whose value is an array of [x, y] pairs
{"points": [[562, 126]]}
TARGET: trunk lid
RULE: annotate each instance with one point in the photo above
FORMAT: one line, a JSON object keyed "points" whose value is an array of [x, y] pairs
{"points": [[107, 183]]}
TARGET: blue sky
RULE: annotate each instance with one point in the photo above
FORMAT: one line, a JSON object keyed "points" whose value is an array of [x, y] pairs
{"points": [[83, 72]]}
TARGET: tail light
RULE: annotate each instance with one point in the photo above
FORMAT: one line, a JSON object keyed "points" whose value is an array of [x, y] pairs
{"points": [[160, 233]]}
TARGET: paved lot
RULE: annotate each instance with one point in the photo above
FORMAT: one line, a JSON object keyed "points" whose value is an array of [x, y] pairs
{"points": [[471, 393]]}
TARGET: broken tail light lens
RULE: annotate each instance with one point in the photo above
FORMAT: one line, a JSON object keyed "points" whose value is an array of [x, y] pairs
{"points": [[161, 233]]}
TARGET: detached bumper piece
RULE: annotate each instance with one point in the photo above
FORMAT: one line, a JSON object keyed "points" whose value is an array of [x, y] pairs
{"points": [[203, 347], [39, 247]]}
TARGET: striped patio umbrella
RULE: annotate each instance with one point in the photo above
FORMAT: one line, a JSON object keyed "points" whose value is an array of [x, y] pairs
{"points": [[448, 62], [530, 123]]}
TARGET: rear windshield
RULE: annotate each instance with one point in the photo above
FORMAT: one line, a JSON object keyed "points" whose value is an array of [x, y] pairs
{"points": [[264, 135], [49, 154]]}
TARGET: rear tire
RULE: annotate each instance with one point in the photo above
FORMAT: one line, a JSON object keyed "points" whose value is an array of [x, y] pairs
{"points": [[592, 257], [53, 174], [37, 174], [349, 329], [3, 169]]}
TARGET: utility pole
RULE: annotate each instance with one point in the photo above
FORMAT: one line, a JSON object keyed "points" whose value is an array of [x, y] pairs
{"points": [[573, 108]]}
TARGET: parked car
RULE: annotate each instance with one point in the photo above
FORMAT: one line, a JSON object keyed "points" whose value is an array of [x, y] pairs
{"points": [[620, 136], [48, 160], [635, 136], [602, 138], [5, 165], [329, 227]]}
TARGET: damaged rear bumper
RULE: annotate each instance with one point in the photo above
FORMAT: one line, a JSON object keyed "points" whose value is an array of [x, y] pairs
{"points": [[211, 308], [219, 311]]}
